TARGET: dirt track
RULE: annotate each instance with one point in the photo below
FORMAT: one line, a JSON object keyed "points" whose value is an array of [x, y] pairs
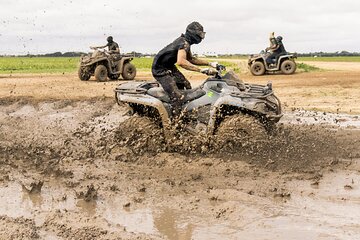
{"points": [[63, 134]]}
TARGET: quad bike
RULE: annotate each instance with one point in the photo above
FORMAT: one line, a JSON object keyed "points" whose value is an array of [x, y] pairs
{"points": [[251, 108], [103, 65], [284, 63]]}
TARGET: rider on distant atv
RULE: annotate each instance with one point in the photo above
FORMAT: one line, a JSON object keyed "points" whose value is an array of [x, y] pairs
{"points": [[113, 48], [276, 49], [178, 52]]}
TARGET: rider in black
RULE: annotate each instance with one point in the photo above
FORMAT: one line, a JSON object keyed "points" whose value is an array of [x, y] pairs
{"points": [[178, 52], [113, 48], [276, 49]]}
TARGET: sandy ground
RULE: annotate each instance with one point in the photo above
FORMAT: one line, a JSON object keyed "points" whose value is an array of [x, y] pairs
{"points": [[67, 170], [331, 91]]}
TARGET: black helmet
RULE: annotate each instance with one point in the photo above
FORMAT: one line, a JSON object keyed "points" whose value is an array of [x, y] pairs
{"points": [[109, 39], [279, 38], [194, 33]]}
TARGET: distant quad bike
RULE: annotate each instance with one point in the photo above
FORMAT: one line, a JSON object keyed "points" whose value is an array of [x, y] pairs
{"points": [[284, 63], [218, 106], [102, 65]]}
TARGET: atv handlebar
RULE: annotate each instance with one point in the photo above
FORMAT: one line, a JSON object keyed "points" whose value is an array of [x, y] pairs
{"points": [[220, 67], [213, 72]]}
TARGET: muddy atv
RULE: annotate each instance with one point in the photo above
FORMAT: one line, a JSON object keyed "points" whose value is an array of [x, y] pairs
{"points": [[284, 63], [218, 106], [102, 65]]}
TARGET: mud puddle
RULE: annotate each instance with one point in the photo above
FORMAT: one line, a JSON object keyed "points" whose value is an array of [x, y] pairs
{"points": [[311, 209], [321, 118]]}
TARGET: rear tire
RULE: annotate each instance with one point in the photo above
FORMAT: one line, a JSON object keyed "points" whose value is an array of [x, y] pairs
{"points": [[288, 67], [238, 131], [83, 74], [101, 73], [129, 71], [257, 68]]}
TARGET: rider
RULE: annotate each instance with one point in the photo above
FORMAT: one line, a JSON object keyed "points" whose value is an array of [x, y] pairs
{"points": [[113, 48], [276, 48], [178, 52]]}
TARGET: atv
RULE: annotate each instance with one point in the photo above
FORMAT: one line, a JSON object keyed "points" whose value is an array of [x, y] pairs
{"points": [[284, 63], [220, 103], [103, 65]]}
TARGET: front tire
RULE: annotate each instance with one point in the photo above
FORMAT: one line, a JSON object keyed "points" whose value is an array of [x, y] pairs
{"points": [[288, 67], [101, 73], [240, 130], [129, 71], [84, 74], [257, 68]]}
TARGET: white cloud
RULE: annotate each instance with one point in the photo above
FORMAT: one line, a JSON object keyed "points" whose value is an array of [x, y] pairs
{"points": [[232, 26]]}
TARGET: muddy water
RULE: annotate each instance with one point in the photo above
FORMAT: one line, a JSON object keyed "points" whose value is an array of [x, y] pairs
{"points": [[322, 118], [326, 209], [295, 188]]}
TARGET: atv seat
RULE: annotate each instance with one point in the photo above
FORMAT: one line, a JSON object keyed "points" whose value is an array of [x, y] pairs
{"points": [[159, 93], [191, 94]]}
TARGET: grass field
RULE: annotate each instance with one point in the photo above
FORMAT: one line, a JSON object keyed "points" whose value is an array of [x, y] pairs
{"points": [[10, 65], [37, 65]]}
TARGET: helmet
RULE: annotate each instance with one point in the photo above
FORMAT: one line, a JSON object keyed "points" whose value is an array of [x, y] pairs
{"points": [[109, 39], [195, 33], [279, 38]]}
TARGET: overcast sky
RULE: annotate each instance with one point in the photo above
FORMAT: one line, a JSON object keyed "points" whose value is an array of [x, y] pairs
{"points": [[232, 26]]}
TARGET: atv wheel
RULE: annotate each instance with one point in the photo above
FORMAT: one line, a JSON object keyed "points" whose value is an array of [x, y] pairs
{"points": [[84, 74], [114, 76], [239, 130], [257, 68], [100, 73], [288, 67], [129, 71], [140, 134]]}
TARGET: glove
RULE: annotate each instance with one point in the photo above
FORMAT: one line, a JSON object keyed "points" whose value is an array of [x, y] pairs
{"points": [[220, 67], [209, 71], [213, 64]]}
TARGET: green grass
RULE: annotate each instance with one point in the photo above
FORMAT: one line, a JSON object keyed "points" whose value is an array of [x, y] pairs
{"points": [[10, 65], [38, 64], [53, 64], [307, 67], [330, 59], [143, 64], [231, 66]]}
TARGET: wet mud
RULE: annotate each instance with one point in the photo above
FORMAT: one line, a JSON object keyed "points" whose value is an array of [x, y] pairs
{"points": [[76, 170]]}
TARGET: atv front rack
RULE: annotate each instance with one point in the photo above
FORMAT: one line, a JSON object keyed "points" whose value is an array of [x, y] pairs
{"points": [[131, 91]]}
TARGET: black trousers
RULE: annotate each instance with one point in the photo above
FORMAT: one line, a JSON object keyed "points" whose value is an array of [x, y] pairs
{"points": [[270, 58], [172, 82]]}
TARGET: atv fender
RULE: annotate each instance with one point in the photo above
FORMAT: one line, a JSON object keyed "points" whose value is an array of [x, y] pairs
{"points": [[148, 101], [103, 59], [122, 62]]}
